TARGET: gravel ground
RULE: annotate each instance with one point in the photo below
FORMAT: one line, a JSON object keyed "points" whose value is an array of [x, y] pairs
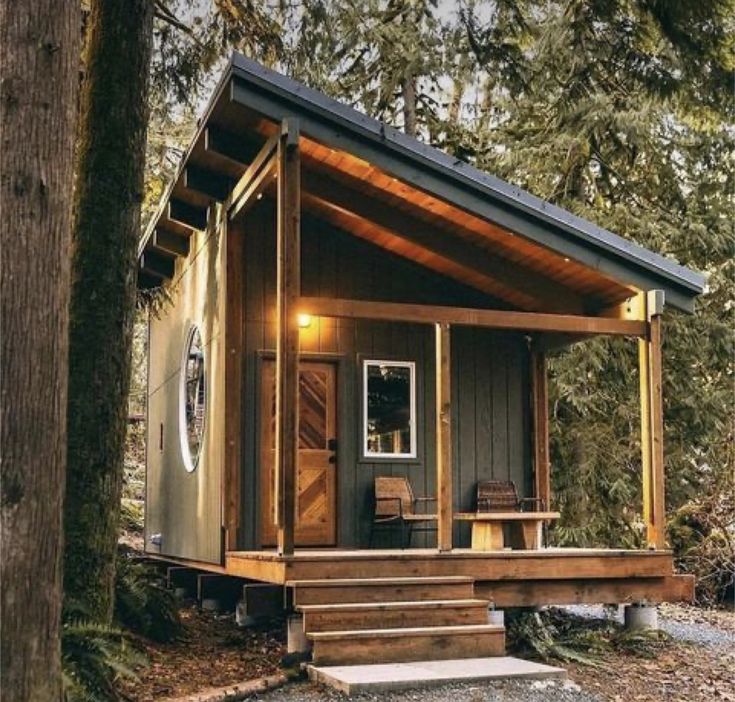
{"points": [[696, 667], [508, 691], [676, 622]]}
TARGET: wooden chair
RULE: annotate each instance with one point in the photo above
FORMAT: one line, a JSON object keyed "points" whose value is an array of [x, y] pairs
{"points": [[396, 506], [502, 496]]}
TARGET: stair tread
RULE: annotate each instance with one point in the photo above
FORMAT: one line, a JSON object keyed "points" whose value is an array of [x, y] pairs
{"points": [[409, 604], [409, 631], [416, 580]]}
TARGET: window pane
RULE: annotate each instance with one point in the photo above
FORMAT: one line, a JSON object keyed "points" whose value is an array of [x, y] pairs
{"points": [[388, 421], [194, 396]]}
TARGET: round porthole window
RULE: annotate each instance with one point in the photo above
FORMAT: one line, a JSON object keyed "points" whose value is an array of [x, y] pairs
{"points": [[193, 399]]}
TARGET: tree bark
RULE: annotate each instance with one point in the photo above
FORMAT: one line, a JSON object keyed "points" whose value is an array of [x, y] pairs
{"points": [[408, 93], [39, 55], [114, 118]]}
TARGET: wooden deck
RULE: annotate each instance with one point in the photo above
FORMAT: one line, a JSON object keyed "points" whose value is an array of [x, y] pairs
{"points": [[508, 578]]}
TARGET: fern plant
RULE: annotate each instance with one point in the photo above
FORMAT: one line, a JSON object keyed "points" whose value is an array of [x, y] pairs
{"points": [[556, 634], [94, 656], [143, 604]]}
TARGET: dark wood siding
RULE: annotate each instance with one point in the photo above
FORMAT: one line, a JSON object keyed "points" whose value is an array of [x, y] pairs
{"points": [[490, 372]]}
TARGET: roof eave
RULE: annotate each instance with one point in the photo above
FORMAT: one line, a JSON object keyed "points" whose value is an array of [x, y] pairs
{"points": [[327, 120]]}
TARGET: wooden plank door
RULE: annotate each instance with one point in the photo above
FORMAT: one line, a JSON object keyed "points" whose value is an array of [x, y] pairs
{"points": [[316, 482]]}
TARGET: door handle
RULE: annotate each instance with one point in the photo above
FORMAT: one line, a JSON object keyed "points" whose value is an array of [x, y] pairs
{"points": [[332, 445]]}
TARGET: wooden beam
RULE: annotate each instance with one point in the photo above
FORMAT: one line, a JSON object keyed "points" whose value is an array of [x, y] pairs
{"points": [[533, 593], [170, 242], [258, 175], [288, 254], [468, 316], [444, 437], [186, 214], [236, 148], [157, 264], [449, 243], [652, 426], [210, 183], [541, 460], [234, 389]]}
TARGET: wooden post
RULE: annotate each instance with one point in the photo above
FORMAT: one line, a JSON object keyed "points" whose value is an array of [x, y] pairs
{"points": [[443, 438], [541, 460], [232, 238], [288, 257], [652, 424]]}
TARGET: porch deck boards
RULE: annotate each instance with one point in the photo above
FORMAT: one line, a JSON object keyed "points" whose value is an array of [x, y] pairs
{"points": [[514, 578], [543, 564]]}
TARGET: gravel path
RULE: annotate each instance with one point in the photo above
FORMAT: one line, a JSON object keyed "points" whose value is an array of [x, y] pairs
{"points": [[702, 680], [507, 691]]}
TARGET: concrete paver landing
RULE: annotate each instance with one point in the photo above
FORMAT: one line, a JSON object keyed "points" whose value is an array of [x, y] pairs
{"points": [[384, 677]]}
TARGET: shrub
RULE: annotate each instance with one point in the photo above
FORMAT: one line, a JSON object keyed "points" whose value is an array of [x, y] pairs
{"points": [[702, 533]]}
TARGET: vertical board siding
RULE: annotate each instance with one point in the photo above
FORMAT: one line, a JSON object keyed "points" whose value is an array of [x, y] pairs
{"points": [[489, 374]]}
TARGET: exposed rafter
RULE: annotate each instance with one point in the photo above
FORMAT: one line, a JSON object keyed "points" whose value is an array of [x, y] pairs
{"points": [[325, 193], [229, 146], [213, 185], [157, 264], [186, 214], [170, 242]]}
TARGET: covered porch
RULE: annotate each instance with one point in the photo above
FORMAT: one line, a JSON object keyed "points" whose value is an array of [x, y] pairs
{"points": [[637, 317]]}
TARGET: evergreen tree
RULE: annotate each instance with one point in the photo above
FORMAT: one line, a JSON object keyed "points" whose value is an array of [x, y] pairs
{"points": [[108, 196], [607, 119], [39, 55]]}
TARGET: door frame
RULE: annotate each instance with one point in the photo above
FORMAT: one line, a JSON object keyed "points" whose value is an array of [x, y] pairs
{"points": [[339, 360]]}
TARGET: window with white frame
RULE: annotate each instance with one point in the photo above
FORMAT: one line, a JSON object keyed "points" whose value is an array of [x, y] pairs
{"points": [[389, 409]]}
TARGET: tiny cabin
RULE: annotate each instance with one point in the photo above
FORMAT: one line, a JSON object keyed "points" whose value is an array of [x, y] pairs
{"points": [[351, 362]]}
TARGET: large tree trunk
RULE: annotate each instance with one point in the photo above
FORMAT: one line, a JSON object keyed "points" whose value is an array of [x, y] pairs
{"points": [[39, 55], [114, 117]]}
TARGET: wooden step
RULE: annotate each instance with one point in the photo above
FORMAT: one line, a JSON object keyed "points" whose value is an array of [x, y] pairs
{"points": [[407, 644], [393, 615], [308, 592]]}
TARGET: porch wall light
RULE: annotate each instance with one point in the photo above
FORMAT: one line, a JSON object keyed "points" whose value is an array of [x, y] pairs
{"points": [[304, 320]]}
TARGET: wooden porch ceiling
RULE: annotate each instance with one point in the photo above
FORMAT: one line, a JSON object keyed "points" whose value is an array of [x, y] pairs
{"points": [[371, 204]]}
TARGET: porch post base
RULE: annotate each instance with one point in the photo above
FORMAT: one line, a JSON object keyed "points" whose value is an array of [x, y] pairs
{"points": [[639, 616], [296, 641], [496, 616]]}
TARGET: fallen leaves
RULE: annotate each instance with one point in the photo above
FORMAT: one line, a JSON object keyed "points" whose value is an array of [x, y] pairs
{"points": [[681, 672], [213, 652]]}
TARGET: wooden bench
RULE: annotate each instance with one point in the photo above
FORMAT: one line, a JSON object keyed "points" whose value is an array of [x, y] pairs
{"points": [[487, 528]]}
